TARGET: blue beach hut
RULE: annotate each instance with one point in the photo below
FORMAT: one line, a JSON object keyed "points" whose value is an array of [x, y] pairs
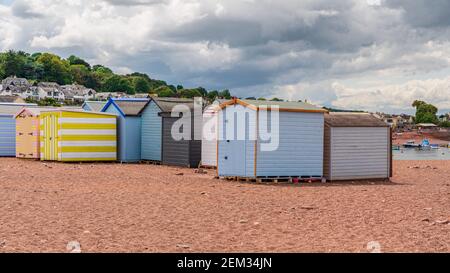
{"points": [[128, 111]]}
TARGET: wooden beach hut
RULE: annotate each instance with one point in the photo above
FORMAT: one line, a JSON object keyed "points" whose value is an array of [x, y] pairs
{"points": [[158, 143], [128, 111], [357, 146], [270, 140], [8, 127], [93, 106], [68, 135], [209, 134], [28, 132]]}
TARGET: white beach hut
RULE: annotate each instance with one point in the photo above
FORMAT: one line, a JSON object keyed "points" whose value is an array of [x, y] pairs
{"points": [[262, 139]]}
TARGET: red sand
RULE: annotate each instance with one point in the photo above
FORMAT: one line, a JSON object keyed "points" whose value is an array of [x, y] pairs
{"points": [[145, 208], [440, 138]]}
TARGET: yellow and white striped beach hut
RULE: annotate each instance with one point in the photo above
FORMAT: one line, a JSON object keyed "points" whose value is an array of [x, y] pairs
{"points": [[69, 135]]}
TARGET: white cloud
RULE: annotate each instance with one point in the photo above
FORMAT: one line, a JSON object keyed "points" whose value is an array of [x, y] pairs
{"points": [[290, 49], [395, 98]]}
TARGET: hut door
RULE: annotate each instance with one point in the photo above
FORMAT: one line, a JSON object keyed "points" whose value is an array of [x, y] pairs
{"points": [[233, 157], [50, 137]]}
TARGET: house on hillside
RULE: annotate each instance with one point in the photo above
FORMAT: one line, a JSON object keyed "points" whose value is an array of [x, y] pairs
{"points": [[45, 90], [13, 86], [112, 95], [76, 92]]}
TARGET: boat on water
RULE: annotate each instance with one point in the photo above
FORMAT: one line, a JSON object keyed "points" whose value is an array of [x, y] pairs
{"points": [[425, 145], [395, 147], [411, 144]]}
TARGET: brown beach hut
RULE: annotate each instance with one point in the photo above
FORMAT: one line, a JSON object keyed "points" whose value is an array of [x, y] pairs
{"points": [[357, 146]]}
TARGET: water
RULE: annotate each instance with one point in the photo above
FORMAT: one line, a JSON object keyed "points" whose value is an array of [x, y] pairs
{"points": [[415, 154]]}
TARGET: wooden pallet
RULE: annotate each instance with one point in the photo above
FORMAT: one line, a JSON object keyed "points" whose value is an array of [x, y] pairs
{"points": [[275, 179], [207, 167], [150, 162]]}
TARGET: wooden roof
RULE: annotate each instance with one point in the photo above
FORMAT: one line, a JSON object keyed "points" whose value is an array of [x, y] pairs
{"points": [[353, 120]]}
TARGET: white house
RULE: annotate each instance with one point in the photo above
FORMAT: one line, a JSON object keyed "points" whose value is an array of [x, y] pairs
{"points": [[77, 92]]}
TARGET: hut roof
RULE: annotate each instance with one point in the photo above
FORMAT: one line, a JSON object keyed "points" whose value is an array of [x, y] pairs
{"points": [[128, 106], [282, 105], [427, 125], [12, 108], [353, 120], [95, 106], [35, 111], [167, 104]]}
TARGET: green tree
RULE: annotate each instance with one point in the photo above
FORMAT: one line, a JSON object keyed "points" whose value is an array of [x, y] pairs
{"points": [[49, 102], [74, 60], [263, 99], [55, 69], [141, 85], [164, 91], [445, 124], [276, 99], [213, 95], [225, 94], [189, 93], [118, 83], [425, 113], [12, 64]]}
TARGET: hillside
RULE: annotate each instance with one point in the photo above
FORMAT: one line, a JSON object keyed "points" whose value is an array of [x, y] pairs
{"points": [[47, 67]]}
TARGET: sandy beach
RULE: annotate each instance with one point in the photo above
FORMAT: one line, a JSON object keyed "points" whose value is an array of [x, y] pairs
{"points": [[147, 208]]}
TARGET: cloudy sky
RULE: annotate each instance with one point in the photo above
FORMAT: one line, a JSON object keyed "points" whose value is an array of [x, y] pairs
{"points": [[359, 54]]}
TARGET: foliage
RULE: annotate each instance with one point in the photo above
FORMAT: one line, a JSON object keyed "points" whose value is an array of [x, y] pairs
{"points": [[44, 102], [117, 83], [164, 91], [445, 124], [47, 67], [425, 113], [141, 85]]}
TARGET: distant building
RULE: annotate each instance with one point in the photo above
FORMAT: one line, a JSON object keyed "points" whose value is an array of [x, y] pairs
{"points": [[76, 92], [13, 86], [141, 95], [48, 90], [113, 95], [397, 122]]}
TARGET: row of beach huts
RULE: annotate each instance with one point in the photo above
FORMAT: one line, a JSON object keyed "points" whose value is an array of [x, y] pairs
{"points": [[310, 142]]}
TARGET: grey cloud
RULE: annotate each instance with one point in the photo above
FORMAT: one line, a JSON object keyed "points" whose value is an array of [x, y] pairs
{"points": [[424, 13], [20, 8]]}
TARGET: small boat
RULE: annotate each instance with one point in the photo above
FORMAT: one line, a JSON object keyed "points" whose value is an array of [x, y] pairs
{"points": [[411, 144], [425, 143], [434, 146]]}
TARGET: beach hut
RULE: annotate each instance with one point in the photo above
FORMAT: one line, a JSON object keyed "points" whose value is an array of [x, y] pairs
{"points": [[157, 142], [270, 140], [68, 135], [185, 152], [357, 146], [128, 111], [93, 106], [209, 134], [28, 132], [8, 127]]}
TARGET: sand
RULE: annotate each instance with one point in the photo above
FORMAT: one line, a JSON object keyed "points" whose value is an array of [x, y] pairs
{"points": [[441, 138], [146, 208]]}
